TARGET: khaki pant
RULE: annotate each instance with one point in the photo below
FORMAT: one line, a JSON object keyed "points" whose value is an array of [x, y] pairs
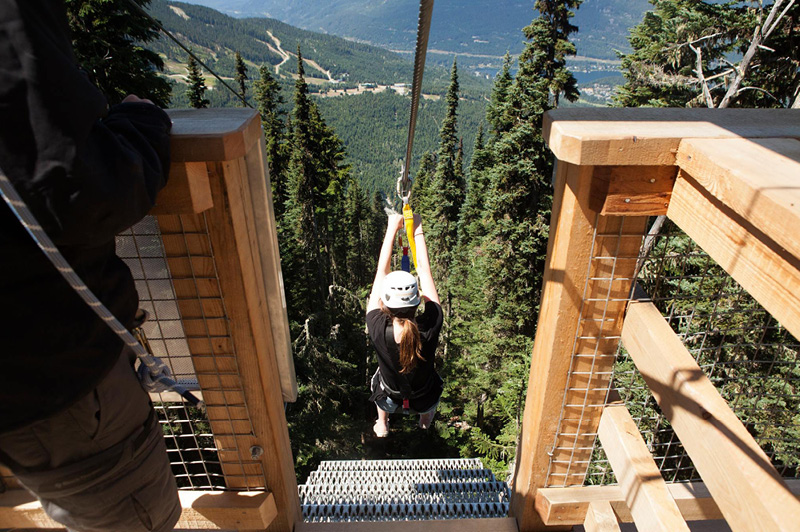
{"points": [[101, 465]]}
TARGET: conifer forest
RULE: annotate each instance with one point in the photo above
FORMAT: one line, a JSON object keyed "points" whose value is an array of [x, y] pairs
{"points": [[482, 182]]}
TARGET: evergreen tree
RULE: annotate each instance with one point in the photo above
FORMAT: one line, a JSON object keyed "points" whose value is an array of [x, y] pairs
{"points": [[498, 111], [494, 326], [107, 38], [197, 85], [660, 71], [421, 186], [241, 77], [446, 196], [683, 52], [266, 92]]}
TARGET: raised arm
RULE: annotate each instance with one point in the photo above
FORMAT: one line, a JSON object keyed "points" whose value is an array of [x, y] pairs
{"points": [[426, 283], [384, 260]]}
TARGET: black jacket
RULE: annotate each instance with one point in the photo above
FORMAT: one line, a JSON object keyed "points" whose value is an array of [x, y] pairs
{"points": [[87, 173]]}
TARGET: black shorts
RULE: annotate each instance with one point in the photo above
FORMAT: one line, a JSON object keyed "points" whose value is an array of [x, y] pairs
{"points": [[101, 465]]}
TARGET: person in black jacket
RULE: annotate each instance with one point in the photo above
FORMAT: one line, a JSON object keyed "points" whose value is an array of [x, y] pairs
{"points": [[76, 427], [406, 344]]}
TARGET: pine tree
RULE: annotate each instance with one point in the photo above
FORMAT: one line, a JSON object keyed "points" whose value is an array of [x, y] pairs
{"points": [[421, 200], [266, 92], [498, 112], [197, 85], [493, 327], [660, 71], [241, 77], [446, 196], [107, 38]]}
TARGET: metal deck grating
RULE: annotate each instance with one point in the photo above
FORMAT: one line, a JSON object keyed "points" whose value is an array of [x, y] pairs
{"points": [[400, 490]]}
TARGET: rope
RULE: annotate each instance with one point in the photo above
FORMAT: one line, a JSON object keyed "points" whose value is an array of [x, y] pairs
{"points": [[153, 373], [166, 32]]}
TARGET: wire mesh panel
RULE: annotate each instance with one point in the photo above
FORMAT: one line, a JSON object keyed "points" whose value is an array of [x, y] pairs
{"points": [[602, 299], [176, 276], [742, 349], [141, 249]]}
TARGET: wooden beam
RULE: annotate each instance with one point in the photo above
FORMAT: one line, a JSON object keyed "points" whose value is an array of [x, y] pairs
{"points": [[646, 493], [600, 517], [632, 190], [202, 510], [187, 191], [767, 272], [568, 506], [749, 491], [649, 136], [202, 135], [759, 179], [496, 524]]}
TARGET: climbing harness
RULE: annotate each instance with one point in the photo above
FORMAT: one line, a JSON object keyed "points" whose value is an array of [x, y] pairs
{"points": [[153, 372], [403, 182]]}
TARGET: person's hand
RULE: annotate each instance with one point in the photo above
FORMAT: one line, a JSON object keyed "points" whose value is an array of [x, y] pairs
{"points": [[132, 98], [395, 222], [417, 224]]}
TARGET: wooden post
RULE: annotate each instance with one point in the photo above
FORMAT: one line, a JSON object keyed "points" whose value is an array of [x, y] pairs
{"points": [[646, 493], [226, 274], [600, 517]]}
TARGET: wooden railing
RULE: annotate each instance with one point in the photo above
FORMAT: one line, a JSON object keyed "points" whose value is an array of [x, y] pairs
{"points": [[219, 238], [730, 179]]}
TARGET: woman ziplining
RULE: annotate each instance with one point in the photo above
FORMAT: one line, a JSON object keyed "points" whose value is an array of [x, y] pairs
{"points": [[406, 379], [406, 345]]}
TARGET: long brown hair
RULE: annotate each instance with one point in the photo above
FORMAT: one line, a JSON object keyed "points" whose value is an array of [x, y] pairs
{"points": [[410, 345]]}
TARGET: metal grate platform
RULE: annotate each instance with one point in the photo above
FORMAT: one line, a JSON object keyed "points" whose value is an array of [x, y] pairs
{"points": [[401, 490]]}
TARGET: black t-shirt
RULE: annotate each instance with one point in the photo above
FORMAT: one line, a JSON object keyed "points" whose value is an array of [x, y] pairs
{"points": [[423, 377]]}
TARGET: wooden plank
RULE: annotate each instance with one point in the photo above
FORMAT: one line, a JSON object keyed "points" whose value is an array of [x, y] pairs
{"points": [[568, 506], [632, 190], [601, 518], [649, 136], [233, 232], [201, 135], [496, 524], [265, 242], [645, 491], [769, 274], [739, 475], [759, 179], [202, 510], [187, 190]]}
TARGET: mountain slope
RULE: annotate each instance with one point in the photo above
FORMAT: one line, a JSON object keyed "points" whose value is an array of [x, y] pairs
{"points": [[476, 27]]}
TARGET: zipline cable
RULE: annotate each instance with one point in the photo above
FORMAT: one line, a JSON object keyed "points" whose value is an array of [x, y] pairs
{"points": [[153, 373], [166, 32], [423, 30], [403, 182]]}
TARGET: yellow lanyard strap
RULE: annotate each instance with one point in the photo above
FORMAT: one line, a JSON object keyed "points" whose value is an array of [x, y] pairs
{"points": [[408, 216]]}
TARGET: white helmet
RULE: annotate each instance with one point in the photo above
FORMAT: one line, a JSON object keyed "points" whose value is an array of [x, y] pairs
{"points": [[400, 290]]}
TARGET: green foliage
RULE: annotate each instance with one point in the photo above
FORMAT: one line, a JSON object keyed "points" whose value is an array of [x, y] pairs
{"points": [[503, 232], [241, 77], [197, 86], [108, 38], [662, 70]]}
